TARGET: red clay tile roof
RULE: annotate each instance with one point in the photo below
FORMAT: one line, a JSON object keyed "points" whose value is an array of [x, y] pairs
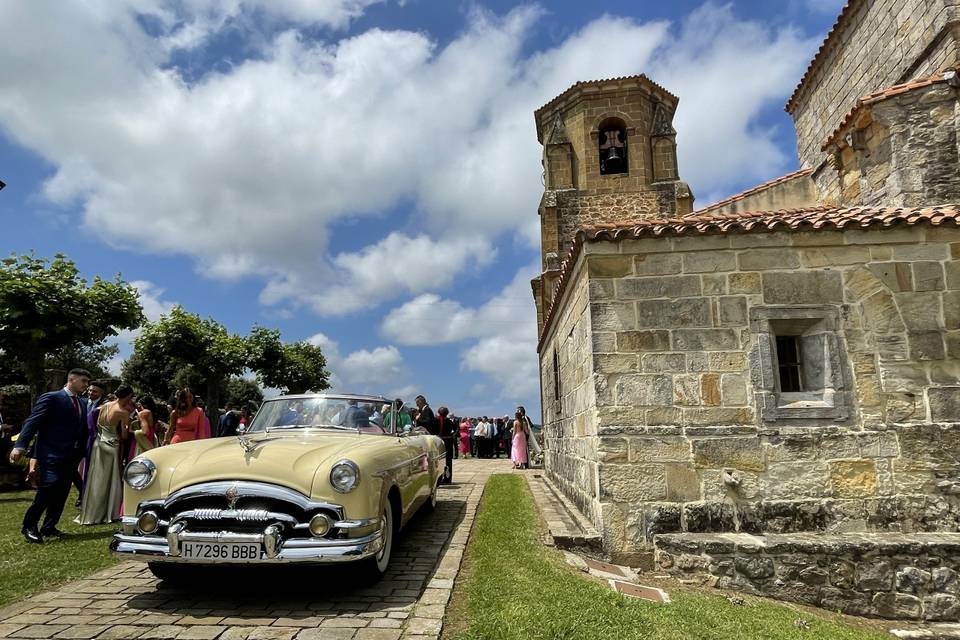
{"points": [[753, 190], [808, 219], [640, 78], [825, 46], [883, 94]]}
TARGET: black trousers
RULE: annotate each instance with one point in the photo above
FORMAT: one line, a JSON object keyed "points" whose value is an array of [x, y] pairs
{"points": [[448, 445], [53, 487]]}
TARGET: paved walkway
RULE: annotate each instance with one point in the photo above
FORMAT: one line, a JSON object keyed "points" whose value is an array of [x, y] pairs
{"points": [[126, 602]]}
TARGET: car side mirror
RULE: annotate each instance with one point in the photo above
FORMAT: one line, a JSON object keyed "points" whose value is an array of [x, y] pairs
{"points": [[241, 430]]}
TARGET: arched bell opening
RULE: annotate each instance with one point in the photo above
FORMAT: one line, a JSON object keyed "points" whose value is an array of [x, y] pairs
{"points": [[613, 147]]}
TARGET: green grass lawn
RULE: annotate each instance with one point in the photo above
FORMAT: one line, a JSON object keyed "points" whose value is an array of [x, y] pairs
{"points": [[26, 569], [513, 587]]}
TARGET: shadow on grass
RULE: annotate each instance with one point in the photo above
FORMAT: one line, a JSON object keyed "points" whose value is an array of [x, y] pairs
{"points": [[78, 537]]}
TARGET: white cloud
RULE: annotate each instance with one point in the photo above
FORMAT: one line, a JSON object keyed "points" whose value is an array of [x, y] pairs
{"points": [[154, 306], [510, 363], [378, 366], [397, 265], [245, 168], [503, 331], [429, 319], [376, 370], [151, 299]]}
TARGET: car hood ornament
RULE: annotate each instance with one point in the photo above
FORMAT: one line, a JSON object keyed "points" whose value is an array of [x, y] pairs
{"points": [[232, 494], [246, 444]]}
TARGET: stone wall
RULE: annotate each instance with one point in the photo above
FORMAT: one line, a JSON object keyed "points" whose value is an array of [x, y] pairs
{"points": [[794, 192], [944, 50], [859, 61], [885, 576], [902, 151], [568, 413], [574, 210], [684, 439]]}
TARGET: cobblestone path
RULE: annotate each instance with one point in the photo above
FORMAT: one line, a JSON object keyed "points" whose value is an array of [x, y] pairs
{"points": [[126, 602]]}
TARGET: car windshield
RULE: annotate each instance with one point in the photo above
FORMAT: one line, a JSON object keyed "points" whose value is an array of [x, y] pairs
{"points": [[354, 414]]}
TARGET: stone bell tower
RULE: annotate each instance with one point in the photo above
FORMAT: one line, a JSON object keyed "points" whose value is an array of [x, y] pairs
{"points": [[609, 156]]}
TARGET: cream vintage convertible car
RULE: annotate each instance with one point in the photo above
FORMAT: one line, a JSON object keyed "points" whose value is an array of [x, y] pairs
{"points": [[314, 479]]}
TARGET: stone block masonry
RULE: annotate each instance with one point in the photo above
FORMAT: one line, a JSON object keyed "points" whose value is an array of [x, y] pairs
{"points": [[858, 61], [883, 576], [670, 419]]}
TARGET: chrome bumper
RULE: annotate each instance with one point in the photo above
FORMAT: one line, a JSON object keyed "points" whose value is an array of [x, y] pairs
{"points": [[294, 550]]}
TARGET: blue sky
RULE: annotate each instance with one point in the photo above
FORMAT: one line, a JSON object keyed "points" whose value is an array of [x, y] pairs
{"points": [[360, 173]]}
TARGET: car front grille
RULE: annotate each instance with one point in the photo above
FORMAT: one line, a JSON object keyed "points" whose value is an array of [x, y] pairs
{"points": [[242, 507]]}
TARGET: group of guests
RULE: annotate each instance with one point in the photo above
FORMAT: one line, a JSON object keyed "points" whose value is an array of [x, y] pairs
{"points": [[83, 436], [485, 437], [480, 437]]}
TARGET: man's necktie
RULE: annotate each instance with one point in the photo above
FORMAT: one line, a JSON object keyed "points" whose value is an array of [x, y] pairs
{"points": [[76, 405]]}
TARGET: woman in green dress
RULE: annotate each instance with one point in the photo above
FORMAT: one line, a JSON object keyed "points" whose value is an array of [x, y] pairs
{"points": [[103, 493]]}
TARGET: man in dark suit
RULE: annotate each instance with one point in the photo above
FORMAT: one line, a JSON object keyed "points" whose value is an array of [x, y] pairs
{"points": [[59, 423], [96, 396], [447, 430], [425, 418], [229, 422]]}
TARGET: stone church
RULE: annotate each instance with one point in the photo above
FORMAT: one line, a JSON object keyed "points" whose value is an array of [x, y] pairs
{"points": [[766, 390]]}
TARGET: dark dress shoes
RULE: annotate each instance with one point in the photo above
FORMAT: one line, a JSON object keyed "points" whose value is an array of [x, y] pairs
{"points": [[31, 535], [52, 532]]}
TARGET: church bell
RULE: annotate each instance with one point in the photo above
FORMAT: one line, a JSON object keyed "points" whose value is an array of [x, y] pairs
{"points": [[612, 150]]}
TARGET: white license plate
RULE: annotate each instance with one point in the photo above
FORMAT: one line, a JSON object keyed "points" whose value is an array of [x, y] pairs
{"points": [[220, 551]]}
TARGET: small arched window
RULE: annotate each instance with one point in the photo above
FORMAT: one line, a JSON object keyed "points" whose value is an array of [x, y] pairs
{"points": [[613, 147]]}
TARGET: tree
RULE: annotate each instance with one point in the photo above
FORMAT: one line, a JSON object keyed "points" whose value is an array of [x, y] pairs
{"points": [[295, 367], [241, 391], [45, 307], [94, 358], [155, 377], [183, 340]]}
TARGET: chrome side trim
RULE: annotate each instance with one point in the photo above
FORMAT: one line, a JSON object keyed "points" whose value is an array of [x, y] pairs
{"points": [[355, 524]]}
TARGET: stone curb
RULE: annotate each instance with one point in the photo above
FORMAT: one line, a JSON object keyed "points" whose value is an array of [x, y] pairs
{"points": [[568, 528]]}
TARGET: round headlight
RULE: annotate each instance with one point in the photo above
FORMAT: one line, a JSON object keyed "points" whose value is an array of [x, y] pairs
{"points": [[140, 473], [345, 476], [320, 525], [148, 522]]}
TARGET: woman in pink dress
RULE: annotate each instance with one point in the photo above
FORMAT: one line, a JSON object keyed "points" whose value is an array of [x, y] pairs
{"points": [[186, 421], [145, 433], [465, 437], [518, 447]]}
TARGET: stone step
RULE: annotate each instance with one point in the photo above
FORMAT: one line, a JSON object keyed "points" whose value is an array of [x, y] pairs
{"points": [[568, 527], [932, 632]]}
